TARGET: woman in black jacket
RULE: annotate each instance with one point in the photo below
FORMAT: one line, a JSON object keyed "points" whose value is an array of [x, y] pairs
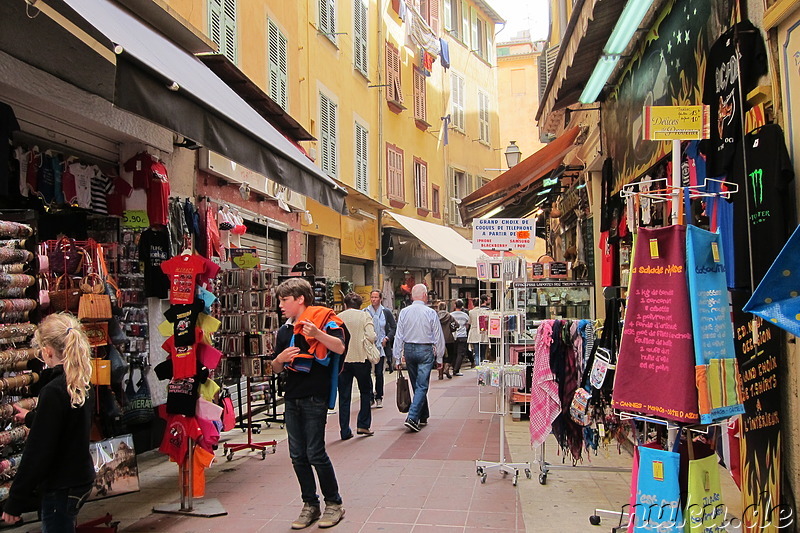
{"points": [[56, 459]]}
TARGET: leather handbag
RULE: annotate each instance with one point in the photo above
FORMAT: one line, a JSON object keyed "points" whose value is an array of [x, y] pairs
{"points": [[403, 395], [65, 257], [97, 332], [66, 297], [101, 372], [95, 304], [44, 293]]}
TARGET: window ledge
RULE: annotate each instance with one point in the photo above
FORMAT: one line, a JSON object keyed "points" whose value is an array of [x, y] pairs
{"points": [[395, 107], [437, 214], [397, 204], [421, 211], [421, 124]]}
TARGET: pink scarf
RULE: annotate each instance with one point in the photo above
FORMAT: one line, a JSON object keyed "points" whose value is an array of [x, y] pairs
{"points": [[545, 404]]}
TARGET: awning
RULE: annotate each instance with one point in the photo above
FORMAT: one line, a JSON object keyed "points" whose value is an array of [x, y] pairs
{"points": [[518, 179], [163, 83], [443, 240]]}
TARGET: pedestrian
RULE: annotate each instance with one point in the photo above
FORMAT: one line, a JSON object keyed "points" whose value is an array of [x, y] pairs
{"points": [[56, 459], [308, 348], [449, 326], [356, 365], [478, 334], [385, 325], [462, 319], [419, 341]]}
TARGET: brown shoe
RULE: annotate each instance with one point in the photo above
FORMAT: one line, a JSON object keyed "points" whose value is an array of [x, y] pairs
{"points": [[308, 516], [334, 512], [365, 431]]}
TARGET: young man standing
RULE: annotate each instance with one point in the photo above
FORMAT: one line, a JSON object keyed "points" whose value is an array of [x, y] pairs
{"points": [[308, 348], [385, 327], [419, 340]]}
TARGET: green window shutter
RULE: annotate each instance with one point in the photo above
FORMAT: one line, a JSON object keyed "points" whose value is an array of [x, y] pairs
{"points": [[278, 65], [360, 27], [215, 21], [229, 30], [362, 148]]}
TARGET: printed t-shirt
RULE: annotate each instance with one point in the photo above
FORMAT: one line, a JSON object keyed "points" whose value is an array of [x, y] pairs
{"points": [[184, 358], [101, 185], [140, 166], [34, 160], [83, 183], [184, 318], [179, 430], [116, 199], [207, 323], [154, 250], [158, 195], [22, 159], [8, 125], [182, 271], [181, 393], [68, 190], [46, 179]]}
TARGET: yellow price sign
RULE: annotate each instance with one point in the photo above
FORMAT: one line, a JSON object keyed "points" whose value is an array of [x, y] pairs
{"points": [[677, 122], [135, 218]]}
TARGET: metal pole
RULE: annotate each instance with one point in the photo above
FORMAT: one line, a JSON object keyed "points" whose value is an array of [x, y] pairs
{"points": [[676, 180]]}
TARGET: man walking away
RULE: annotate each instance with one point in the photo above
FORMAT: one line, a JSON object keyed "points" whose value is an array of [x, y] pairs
{"points": [[462, 319], [419, 341], [385, 326]]}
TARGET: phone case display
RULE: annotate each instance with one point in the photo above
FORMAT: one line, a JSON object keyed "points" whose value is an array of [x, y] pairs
{"points": [[543, 300], [19, 294]]}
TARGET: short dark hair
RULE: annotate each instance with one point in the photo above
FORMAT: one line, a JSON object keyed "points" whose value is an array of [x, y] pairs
{"points": [[376, 290], [353, 300], [296, 287], [459, 304], [484, 298]]}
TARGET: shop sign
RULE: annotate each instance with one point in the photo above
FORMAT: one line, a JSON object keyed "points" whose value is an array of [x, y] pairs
{"points": [[677, 122], [244, 257], [135, 218], [503, 234]]}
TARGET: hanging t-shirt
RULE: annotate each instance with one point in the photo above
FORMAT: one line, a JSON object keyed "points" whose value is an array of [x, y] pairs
{"points": [[184, 358], [83, 183], [721, 89], [46, 179], [181, 393], [32, 174], [208, 298], [21, 155], [8, 125], [140, 166], [184, 319], [154, 250], [158, 195], [101, 185], [116, 199], [211, 270], [208, 356], [182, 271], [179, 430], [207, 323], [769, 172]]}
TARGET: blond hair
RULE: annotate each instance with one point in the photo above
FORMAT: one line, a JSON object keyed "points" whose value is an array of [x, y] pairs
{"points": [[63, 333]]}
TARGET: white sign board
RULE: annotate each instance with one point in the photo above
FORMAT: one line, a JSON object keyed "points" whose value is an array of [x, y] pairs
{"points": [[503, 234]]}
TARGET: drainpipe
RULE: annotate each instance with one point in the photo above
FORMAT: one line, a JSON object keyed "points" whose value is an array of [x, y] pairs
{"points": [[379, 46]]}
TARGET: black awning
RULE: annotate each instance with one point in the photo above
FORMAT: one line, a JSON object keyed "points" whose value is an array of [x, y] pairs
{"points": [[163, 83]]}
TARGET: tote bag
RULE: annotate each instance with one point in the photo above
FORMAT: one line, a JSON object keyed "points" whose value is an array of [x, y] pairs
{"points": [[658, 492], [403, 393], [705, 510]]}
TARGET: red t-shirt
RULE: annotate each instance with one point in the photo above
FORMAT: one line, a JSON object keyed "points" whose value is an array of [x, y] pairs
{"points": [[182, 271], [179, 430], [116, 200], [140, 166], [212, 269], [184, 358], [158, 195]]}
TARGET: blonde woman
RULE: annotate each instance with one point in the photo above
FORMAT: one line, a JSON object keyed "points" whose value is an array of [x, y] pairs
{"points": [[356, 366], [56, 459]]}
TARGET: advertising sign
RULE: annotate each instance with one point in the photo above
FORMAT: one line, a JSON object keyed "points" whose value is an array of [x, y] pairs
{"points": [[503, 234]]}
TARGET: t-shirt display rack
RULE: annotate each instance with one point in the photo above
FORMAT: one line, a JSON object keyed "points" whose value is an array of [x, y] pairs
{"points": [[246, 310], [502, 376], [19, 299]]}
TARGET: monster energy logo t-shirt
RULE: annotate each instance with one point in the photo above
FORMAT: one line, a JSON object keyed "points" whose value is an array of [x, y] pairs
{"points": [[767, 177]]}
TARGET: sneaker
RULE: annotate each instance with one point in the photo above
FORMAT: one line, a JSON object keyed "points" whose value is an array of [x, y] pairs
{"points": [[308, 516], [334, 512], [412, 425], [379, 404], [372, 403], [423, 423], [458, 374]]}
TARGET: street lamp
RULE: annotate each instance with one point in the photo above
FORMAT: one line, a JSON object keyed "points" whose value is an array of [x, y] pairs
{"points": [[513, 154]]}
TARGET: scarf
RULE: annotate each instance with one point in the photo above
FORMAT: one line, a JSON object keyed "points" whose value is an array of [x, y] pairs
{"points": [[324, 319]]}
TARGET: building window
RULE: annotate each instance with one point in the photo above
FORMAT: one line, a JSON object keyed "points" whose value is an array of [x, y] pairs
{"points": [[362, 149], [436, 201], [222, 26], [457, 96], [278, 65], [420, 109], [360, 32], [461, 187], [327, 134], [327, 19], [465, 28], [480, 38], [394, 90], [394, 173], [429, 10], [421, 184], [483, 116]]}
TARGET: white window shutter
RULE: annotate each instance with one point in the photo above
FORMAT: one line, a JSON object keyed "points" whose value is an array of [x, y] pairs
{"points": [[360, 26], [229, 30], [215, 21], [447, 14], [465, 33]]}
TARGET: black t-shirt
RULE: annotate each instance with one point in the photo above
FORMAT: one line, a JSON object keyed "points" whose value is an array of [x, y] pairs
{"points": [[767, 181], [721, 90], [181, 393], [184, 319], [8, 125], [154, 249], [316, 382]]}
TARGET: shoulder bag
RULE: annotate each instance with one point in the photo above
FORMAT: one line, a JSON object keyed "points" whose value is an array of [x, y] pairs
{"points": [[403, 393], [95, 304]]}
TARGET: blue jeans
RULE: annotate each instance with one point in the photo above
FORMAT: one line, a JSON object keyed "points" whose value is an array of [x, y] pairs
{"points": [[305, 426], [360, 371], [419, 363], [60, 509]]}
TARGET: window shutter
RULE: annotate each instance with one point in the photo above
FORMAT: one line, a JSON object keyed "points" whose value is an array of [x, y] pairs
{"points": [[360, 31], [362, 177], [447, 14], [464, 33], [433, 16], [278, 67], [332, 18], [420, 111], [323, 16], [215, 21], [424, 185], [327, 116], [476, 38], [229, 30], [394, 92], [327, 18]]}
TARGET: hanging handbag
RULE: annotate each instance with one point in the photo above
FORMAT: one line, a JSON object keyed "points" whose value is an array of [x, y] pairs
{"points": [[66, 297], [372, 352], [44, 293], [97, 332], [65, 257], [94, 303], [579, 409], [403, 395], [101, 372], [138, 407], [228, 414]]}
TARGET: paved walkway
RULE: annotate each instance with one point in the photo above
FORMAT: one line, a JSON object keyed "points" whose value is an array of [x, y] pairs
{"points": [[394, 481]]}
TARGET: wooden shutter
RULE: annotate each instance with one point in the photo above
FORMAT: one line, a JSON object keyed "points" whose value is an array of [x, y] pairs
{"points": [[362, 149], [420, 111], [476, 38], [433, 16], [327, 18], [447, 14], [458, 101], [327, 116], [215, 22], [394, 169], [483, 115], [421, 183], [278, 67], [464, 33], [394, 91], [360, 26]]}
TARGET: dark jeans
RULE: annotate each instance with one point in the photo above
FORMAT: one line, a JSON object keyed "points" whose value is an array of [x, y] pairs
{"points": [[379, 379], [450, 353], [461, 352], [419, 362], [305, 427], [362, 372], [60, 509]]}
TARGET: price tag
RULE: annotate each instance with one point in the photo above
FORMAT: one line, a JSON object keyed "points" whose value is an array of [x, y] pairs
{"points": [[135, 218], [715, 251], [653, 248], [245, 257], [658, 470], [601, 429]]}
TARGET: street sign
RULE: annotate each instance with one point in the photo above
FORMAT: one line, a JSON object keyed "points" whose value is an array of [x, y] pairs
{"points": [[677, 122], [503, 234]]}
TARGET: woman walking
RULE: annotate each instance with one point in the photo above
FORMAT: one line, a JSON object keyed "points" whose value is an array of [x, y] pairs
{"points": [[356, 365]]}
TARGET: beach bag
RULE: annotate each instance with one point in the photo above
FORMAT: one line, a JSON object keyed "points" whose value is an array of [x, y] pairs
{"points": [[705, 510], [66, 297], [138, 407], [579, 408], [228, 414], [403, 393], [94, 304]]}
